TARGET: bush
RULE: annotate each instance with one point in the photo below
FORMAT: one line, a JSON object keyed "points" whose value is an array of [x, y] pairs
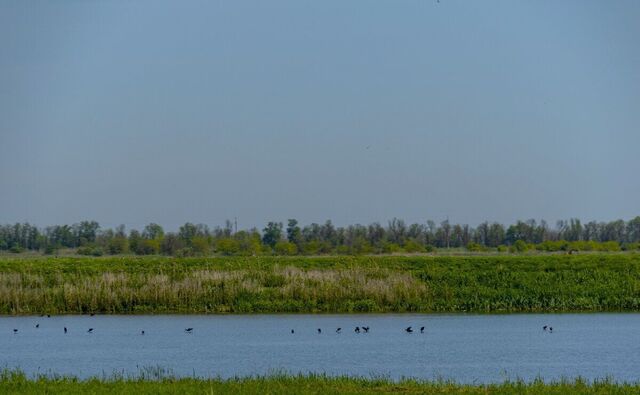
{"points": [[311, 248], [185, 252], [609, 246], [552, 246], [148, 247], [475, 247], [200, 245], [413, 246], [90, 251], [227, 246], [520, 246], [16, 249], [285, 248], [118, 245], [51, 249], [390, 248]]}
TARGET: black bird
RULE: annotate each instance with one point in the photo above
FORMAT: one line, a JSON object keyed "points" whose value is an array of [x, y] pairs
{"points": [[338, 330], [90, 330], [65, 329], [189, 330], [544, 328], [48, 315], [142, 333], [409, 330], [366, 329], [319, 330], [37, 325], [422, 329], [357, 329], [550, 329], [292, 331], [15, 331], [92, 314]]}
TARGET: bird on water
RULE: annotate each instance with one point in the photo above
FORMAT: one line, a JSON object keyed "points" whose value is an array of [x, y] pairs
{"points": [[409, 330], [15, 331], [65, 329], [90, 330], [422, 329], [319, 331], [357, 330], [37, 325], [292, 331], [189, 330], [338, 330], [366, 329]]}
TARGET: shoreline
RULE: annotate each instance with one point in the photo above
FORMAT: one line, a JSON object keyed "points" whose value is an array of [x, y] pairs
{"points": [[14, 381]]}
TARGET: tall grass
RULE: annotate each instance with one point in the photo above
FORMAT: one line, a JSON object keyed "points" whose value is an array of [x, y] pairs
{"points": [[15, 382], [328, 284]]}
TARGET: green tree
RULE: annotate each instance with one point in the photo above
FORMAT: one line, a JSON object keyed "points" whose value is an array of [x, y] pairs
{"points": [[272, 234], [294, 233], [153, 231], [134, 240], [171, 244]]}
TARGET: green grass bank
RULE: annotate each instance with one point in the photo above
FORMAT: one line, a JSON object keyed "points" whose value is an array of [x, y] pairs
{"points": [[518, 283], [12, 382]]}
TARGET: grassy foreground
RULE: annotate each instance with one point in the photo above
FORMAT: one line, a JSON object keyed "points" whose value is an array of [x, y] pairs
{"points": [[594, 282], [12, 382]]}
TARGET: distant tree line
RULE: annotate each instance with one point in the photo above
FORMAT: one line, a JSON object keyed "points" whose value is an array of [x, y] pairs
{"points": [[314, 239]]}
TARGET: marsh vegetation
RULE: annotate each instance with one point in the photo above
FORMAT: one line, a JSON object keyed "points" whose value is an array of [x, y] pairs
{"points": [[594, 282]]}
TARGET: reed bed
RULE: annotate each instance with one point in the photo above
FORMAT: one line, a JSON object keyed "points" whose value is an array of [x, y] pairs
{"points": [[15, 382], [607, 282]]}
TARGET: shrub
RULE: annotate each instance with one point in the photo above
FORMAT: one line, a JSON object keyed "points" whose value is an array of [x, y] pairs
{"points": [[285, 248], [90, 251], [118, 245], [200, 245], [390, 248], [148, 247], [475, 247], [51, 249], [520, 246], [16, 249], [413, 246], [631, 246], [227, 246]]}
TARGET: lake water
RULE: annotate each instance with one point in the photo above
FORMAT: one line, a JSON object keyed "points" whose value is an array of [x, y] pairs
{"points": [[466, 348]]}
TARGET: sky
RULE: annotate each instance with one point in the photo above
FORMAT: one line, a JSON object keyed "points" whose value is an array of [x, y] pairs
{"points": [[355, 111]]}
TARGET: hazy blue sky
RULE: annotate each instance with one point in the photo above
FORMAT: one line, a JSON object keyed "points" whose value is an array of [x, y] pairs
{"points": [[357, 111]]}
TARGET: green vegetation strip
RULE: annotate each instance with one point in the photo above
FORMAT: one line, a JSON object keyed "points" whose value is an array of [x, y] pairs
{"points": [[12, 382], [593, 282]]}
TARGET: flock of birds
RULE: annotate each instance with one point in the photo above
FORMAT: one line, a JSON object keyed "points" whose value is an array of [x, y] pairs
{"points": [[358, 329], [364, 329]]}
